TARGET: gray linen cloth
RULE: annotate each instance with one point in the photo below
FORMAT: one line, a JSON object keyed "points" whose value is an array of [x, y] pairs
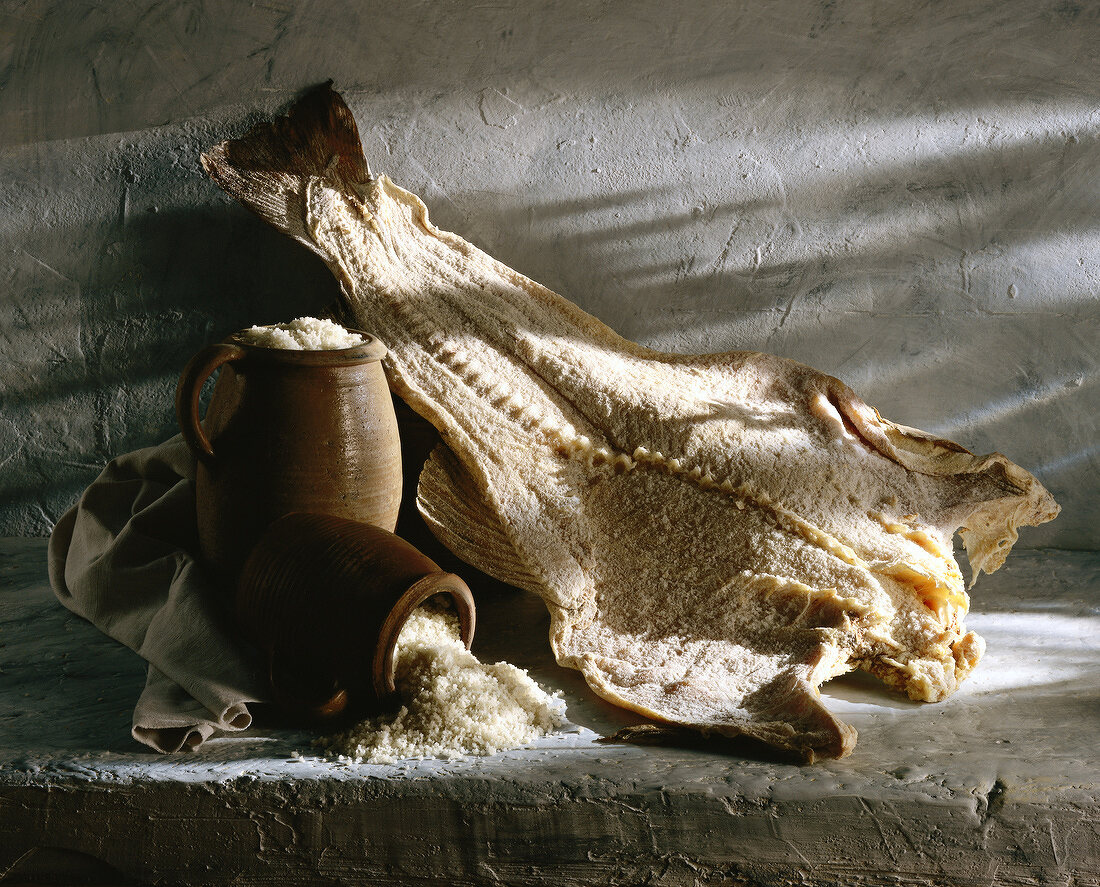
{"points": [[124, 558]]}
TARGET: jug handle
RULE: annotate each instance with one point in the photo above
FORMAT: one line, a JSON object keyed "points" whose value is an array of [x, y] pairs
{"points": [[197, 371]]}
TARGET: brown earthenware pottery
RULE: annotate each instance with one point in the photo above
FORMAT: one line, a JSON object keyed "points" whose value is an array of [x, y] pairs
{"points": [[286, 431], [325, 598]]}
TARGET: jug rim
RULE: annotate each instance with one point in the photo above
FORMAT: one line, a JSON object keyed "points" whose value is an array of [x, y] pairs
{"points": [[370, 349]]}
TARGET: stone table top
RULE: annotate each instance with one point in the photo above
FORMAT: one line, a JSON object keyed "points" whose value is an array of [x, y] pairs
{"points": [[999, 784]]}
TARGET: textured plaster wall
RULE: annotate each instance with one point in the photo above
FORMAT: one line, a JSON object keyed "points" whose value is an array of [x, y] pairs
{"points": [[903, 194]]}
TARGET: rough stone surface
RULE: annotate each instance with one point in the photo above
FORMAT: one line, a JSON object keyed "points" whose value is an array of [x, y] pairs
{"points": [[901, 194], [999, 785]]}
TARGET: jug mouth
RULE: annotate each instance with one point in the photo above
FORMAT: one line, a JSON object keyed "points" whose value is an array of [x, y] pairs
{"points": [[370, 349]]}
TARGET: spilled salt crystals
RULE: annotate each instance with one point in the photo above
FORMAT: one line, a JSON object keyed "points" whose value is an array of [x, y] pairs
{"points": [[454, 704]]}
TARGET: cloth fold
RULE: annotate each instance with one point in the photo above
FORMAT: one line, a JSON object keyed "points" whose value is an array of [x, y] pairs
{"points": [[125, 558]]}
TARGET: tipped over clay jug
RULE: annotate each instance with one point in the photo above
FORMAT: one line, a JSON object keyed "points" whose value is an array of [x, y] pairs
{"points": [[287, 431], [325, 599]]}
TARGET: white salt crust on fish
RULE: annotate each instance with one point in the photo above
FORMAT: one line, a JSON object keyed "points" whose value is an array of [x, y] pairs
{"points": [[714, 536]]}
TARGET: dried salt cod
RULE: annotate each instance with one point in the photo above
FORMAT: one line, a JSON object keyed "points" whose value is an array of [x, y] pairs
{"points": [[714, 536]]}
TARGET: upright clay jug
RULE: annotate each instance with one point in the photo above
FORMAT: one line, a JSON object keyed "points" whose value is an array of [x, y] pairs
{"points": [[287, 431]]}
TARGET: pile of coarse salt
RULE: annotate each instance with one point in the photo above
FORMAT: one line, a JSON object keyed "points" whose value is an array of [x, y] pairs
{"points": [[454, 704], [303, 334]]}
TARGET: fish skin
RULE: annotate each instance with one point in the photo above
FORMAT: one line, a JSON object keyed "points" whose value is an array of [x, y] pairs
{"points": [[714, 536]]}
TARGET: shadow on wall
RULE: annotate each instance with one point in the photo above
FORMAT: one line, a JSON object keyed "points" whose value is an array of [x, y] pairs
{"points": [[926, 235], [99, 327]]}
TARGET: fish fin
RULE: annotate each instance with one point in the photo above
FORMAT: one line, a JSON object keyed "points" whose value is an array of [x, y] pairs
{"points": [[788, 713], [994, 495], [270, 169], [451, 503]]}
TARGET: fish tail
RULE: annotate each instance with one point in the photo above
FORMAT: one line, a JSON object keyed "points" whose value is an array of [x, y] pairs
{"points": [[269, 170]]}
